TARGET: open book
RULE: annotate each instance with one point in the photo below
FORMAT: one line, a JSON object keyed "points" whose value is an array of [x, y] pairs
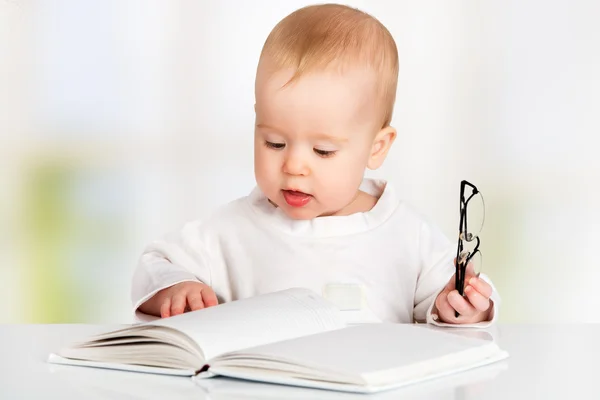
{"points": [[291, 337]]}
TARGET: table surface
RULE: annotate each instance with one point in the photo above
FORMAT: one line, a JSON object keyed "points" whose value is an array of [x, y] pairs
{"points": [[546, 361]]}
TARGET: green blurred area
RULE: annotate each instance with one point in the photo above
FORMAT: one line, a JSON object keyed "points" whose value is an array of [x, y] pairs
{"points": [[69, 239], [51, 225]]}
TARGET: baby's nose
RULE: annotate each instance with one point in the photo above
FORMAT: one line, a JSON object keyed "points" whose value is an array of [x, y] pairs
{"points": [[295, 164]]}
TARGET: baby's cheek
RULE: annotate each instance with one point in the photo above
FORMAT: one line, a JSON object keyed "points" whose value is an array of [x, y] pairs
{"points": [[344, 179], [338, 194]]}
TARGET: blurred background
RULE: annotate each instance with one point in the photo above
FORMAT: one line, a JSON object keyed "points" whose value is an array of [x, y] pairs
{"points": [[120, 120]]}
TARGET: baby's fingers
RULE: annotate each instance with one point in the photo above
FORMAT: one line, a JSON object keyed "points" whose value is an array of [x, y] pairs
{"points": [[460, 304], [476, 299], [178, 303], [195, 301], [165, 308], [444, 309], [209, 297], [481, 286]]}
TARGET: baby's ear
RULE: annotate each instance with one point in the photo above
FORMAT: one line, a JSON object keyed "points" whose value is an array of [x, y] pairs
{"points": [[381, 145]]}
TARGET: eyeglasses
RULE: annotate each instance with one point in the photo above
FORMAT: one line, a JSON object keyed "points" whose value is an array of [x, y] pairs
{"points": [[472, 215]]}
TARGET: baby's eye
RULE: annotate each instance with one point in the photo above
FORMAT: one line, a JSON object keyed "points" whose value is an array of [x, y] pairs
{"points": [[325, 153], [272, 145]]}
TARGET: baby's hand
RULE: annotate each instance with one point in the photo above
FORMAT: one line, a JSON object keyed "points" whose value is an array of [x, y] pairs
{"points": [[474, 307], [183, 297]]}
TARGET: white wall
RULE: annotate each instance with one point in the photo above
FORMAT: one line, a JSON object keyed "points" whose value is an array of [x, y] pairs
{"points": [[150, 102]]}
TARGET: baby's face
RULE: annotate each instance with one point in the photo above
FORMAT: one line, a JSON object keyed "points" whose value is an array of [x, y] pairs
{"points": [[313, 139]]}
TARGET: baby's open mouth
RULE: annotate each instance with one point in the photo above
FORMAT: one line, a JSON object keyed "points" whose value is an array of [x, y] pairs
{"points": [[295, 198]]}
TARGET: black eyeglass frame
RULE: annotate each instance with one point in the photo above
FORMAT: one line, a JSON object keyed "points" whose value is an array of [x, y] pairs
{"points": [[464, 235]]}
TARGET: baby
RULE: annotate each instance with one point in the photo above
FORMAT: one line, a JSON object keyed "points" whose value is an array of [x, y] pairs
{"points": [[325, 90]]}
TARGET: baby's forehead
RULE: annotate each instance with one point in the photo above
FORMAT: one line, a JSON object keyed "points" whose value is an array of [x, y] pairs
{"points": [[344, 77], [328, 98]]}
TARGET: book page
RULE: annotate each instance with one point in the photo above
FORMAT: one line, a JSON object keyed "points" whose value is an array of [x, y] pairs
{"points": [[372, 355], [256, 321]]}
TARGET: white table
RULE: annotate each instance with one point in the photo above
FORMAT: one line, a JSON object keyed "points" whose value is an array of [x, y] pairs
{"points": [[546, 362]]}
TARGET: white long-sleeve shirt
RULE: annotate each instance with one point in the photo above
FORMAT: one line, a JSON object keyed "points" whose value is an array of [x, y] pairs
{"points": [[386, 264]]}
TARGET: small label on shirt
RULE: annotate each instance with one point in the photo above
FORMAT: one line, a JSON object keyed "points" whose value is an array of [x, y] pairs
{"points": [[346, 296]]}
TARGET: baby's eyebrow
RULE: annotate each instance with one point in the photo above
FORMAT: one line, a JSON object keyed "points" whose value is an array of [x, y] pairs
{"points": [[331, 138], [263, 126], [314, 135]]}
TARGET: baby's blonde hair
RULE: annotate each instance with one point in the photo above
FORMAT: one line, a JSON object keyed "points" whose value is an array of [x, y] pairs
{"points": [[316, 37]]}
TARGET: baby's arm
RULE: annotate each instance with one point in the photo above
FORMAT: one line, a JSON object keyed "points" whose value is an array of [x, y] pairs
{"points": [[170, 270]]}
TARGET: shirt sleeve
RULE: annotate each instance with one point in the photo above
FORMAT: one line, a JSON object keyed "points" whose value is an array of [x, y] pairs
{"points": [[437, 255], [178, 257]]}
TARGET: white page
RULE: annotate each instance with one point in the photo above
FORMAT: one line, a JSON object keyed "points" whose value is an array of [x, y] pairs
{"points": [[371, 353], [443, 388], [56, 359], [256, 321]]}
